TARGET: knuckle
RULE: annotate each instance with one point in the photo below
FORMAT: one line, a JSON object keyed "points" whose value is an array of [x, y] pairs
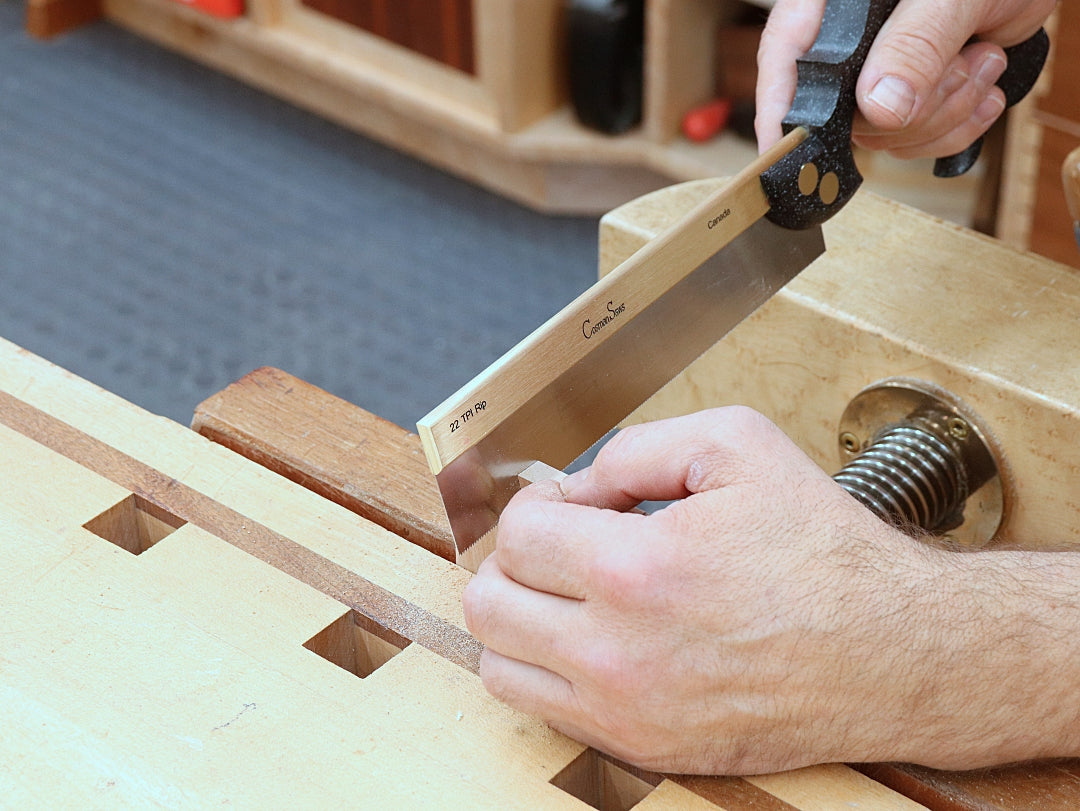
{"points": [[1014, 28], [732, 438], [478, 609], [920, 51], [745, 420], [513, 522], [1042, 9], [494, 679], [519, 524], [620, 446], [624, 579], [610, 671], [527, 535]]}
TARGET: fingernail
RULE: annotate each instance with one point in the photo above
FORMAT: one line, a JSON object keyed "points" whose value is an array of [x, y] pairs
{"points": [[574, 481], [993, 65], [989, 109], [895, 95]]}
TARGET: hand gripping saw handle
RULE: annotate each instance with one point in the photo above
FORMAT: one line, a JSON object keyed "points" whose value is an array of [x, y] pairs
{"points": [[825, 105]]}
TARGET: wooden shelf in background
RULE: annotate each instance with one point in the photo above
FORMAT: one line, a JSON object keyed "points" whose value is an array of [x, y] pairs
{"points": [[506, 123]]}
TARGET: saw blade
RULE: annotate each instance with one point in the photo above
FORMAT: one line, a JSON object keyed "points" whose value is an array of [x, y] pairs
{"points": [[565, 386]]}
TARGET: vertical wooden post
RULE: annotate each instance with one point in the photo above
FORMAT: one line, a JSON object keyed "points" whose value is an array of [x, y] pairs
{"points": [[520, 58], [263, 12], [681, 37]]}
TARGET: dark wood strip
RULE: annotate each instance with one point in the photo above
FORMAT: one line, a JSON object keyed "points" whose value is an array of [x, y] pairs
{"points": [[462, 49], [448, 24], [380, 17], [349, 588], [334, 448], [423, 27], [397, 23], [904, 780], [732, 793], [1050, 785]]}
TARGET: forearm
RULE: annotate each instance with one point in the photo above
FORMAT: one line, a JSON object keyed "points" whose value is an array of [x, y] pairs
{"points": [[1000, 674]]}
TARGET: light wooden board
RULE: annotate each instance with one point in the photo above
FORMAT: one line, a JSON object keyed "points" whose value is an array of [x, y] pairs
{"points": [[204, 670], [179, 676]]}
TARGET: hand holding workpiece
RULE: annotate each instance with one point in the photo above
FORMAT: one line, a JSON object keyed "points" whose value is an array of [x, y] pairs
{"points": [[765, 620], [926, 89]]}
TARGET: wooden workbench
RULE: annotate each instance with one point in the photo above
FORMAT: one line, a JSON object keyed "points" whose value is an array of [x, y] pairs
{"points": [[185, 626]]}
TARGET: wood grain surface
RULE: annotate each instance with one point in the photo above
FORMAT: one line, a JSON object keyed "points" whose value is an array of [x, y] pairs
{"points": [[348, 455], [194, 670]]}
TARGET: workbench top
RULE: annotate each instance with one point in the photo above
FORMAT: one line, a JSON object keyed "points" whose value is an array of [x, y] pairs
{"points": [[185, 628]]}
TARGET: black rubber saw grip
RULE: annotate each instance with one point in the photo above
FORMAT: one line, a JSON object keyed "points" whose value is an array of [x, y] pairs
{"points": [[816, 179]]}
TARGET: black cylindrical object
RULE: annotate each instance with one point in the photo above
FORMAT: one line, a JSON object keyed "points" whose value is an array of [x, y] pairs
{"points": [[605, 49]]}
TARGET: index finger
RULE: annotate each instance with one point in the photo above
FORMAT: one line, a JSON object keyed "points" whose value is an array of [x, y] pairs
{"points": [[549, 545], [791, 29]]}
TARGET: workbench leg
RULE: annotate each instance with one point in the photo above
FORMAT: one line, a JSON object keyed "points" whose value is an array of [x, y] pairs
{"points": [[47, 18]]}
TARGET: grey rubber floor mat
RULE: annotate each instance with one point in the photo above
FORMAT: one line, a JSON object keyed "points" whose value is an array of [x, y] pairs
{"points": [[164, 230]]}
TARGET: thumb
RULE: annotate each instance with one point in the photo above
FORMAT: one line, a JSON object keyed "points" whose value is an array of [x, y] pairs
{"points": [[910, 59], [672, 459]]}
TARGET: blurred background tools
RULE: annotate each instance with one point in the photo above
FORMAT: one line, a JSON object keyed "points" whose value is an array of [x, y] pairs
{"points": [[606, 41]]}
